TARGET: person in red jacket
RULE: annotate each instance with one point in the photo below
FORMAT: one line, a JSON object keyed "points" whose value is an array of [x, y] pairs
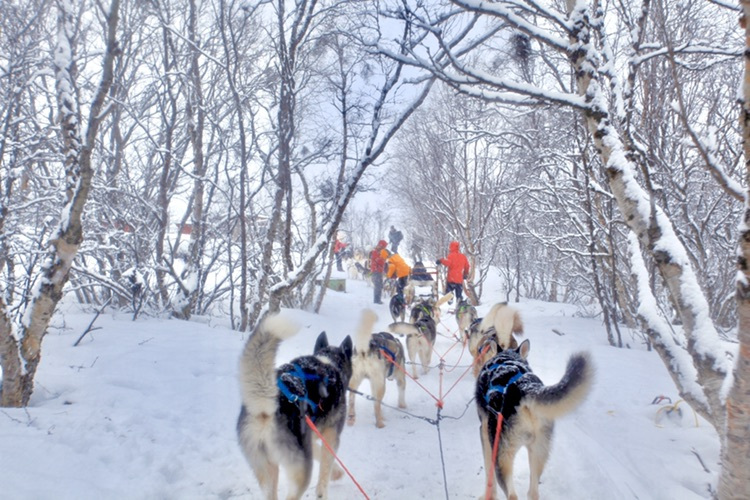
{"points": [[338, 250], [458, 270], [377, 266]]}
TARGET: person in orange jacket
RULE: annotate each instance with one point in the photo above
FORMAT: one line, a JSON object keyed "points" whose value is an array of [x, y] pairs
{"points": [[399, 269], [458, 270]]}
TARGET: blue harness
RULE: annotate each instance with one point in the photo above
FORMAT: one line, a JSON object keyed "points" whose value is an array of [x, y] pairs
{"points": [[392, 355], [500, 387], [300, 374]]}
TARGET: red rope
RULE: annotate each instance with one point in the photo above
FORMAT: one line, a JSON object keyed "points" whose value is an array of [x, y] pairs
{"points": [[328, 447], [486, 348], [389, 358], [460, 357], [491, 474]]}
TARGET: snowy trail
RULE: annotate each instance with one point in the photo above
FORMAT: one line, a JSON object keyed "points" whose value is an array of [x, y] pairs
{"points": [[147, 410]]}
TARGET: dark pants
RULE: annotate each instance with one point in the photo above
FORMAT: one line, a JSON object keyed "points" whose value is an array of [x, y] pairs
{"points": [[338, 261], [456, 288], [377, 287], [401, 284]]}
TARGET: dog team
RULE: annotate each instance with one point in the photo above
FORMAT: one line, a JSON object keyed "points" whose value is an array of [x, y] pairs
{"points": [[282, 405]]}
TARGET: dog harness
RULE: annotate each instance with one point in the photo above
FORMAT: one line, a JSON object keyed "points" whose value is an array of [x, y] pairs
{"points": [[303, 376], [501, 388], [392, 359]]}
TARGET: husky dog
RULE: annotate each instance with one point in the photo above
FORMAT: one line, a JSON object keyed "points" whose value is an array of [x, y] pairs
{"points": [[465, 315], [371, 361], [397, 307], [506, 386], [420, 337], [272, 426], [363, 273], [502, 321], [423, 308], [505, 320], [487, 348]]}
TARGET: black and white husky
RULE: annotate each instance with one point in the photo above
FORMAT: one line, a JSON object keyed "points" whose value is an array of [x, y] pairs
{"points": [[272, 427], [506, 386], [377, 357]]}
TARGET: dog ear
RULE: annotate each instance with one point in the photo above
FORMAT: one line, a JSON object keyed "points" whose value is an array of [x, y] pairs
{"points": [[321, 343], [523, 349], [346, 346]]}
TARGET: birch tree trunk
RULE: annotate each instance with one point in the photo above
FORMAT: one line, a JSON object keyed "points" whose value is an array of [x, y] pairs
{"points": [[654, 231], [192, 276], [20, 364], [734, 481]]}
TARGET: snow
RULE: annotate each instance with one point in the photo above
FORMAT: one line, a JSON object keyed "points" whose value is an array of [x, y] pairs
{"points": [[147, 410]]}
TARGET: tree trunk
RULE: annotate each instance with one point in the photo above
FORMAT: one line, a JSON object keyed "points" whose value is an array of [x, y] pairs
{"points": [[734, 482], [654, 232], [18, 384]]}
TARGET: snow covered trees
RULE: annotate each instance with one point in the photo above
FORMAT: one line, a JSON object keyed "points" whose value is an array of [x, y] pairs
{"points": [[22, 331], [607, 62]]}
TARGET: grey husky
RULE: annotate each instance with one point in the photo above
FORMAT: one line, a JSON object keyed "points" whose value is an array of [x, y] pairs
{"points": [[272, 427], [506, 386], [420, 337]]}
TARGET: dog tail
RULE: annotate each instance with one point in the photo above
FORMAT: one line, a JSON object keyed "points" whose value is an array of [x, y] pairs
{"points": [[565, 396], [505, 320], [445, 298], [403, 328], [364, 333], [257, 365]]}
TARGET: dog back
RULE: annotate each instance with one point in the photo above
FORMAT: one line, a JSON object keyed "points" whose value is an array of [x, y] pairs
{"points": [[506, 381]]}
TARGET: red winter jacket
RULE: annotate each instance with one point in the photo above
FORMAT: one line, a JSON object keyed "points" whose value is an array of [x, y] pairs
{"points": [[377, 262], [338, 246], [457, 264]]}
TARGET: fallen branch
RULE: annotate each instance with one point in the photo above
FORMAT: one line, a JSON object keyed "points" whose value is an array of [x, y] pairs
{"points": [[700, 460], [89, 328]]}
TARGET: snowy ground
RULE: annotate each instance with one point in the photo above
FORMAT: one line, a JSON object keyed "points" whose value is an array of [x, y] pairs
{"points": [[147, 410]]}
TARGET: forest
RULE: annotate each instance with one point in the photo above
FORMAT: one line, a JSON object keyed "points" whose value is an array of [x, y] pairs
{"points": [[189, 158]]}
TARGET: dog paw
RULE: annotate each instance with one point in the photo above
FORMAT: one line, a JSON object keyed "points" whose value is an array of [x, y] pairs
{"points": [[350, 420], [402, 405], [379, 424]]}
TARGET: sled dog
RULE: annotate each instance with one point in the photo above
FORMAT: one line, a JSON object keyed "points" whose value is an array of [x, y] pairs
{"points": [[397, 307], [272, 428], [507, 386], [502, 321], [363, 273], [465, 315], [424, 307], [371, 361], [505, 320], [420, 337]]}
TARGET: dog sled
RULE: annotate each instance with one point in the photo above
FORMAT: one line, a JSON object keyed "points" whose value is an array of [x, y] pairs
{"points": [[422, 285]]}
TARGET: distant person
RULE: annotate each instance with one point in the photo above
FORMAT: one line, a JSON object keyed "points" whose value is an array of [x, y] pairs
{"points": [[377, 266], [338, 253], [417, 243], [395, 237], [458, 270], [399, 269]]}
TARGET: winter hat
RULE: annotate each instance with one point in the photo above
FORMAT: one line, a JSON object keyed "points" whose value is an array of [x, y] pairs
{"points": [[382, 243]]}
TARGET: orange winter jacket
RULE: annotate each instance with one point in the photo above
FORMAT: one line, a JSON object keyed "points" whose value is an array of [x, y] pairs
{"points": [[457, 264], [397, 267]]}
